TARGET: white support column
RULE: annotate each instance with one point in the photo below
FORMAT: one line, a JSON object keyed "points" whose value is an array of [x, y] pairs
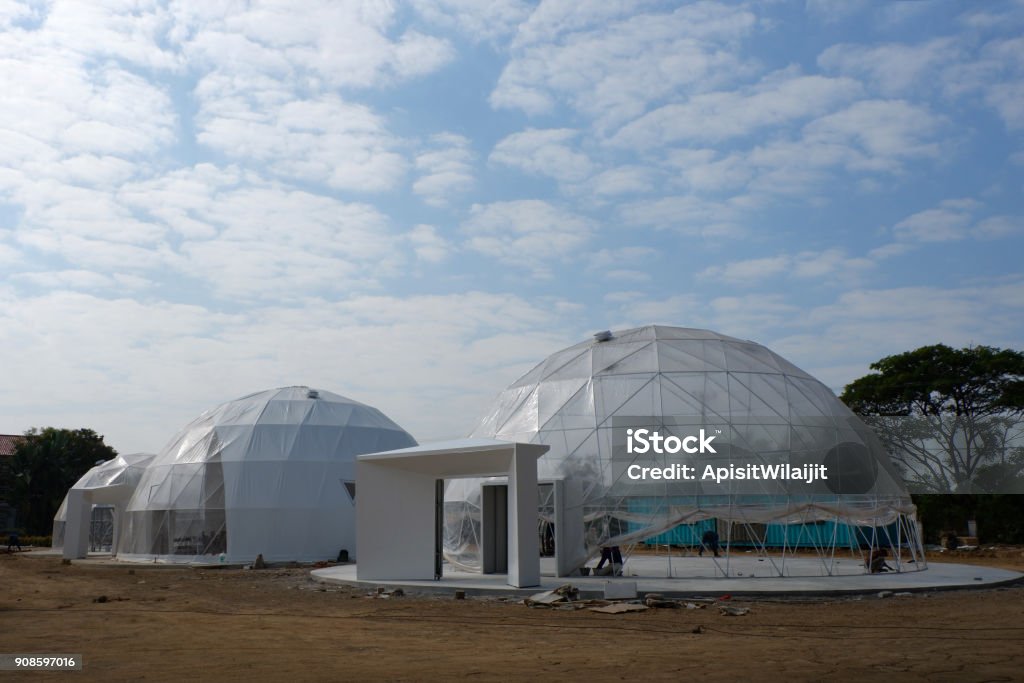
{"points": [[76, 528], [523, 544], [570, 551]]}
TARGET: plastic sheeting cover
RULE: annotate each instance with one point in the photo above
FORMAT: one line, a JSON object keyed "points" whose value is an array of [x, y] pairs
{"points": [[263, 474], [768, 410]]}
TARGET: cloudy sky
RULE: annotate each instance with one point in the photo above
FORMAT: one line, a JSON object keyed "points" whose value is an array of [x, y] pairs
{"points": [[413, 203]]}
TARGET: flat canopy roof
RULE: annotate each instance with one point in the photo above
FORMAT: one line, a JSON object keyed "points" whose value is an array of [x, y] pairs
{"points": [[458, 458]]}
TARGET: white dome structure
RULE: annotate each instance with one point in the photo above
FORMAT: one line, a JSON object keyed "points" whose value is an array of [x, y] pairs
{"points": [[762, 411], [107, 488], [271, 473]]}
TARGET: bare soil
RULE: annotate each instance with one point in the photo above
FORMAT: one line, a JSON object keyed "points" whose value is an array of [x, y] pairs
{"points": [[277, 624]]}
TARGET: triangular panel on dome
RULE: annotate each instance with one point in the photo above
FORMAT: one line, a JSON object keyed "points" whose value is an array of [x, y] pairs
{"points": [[771, 389], [749, 358], [762, 438], [690, 356], [613, 392], [243, 411], [576, 413], [317, 442], [678, 403], [571, 363], [623, 357], [270, 441], [331, 413], [524, 417], [505, 406], [285, 410], [553, 395], [708, 388], [642, 360], [744, 405], [807, 400]]}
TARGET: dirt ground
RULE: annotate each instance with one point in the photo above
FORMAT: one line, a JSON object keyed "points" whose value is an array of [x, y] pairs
{"points": [[276, 624]]}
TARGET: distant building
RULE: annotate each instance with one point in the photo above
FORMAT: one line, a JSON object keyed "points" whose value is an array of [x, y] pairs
{"points": [[7, 444]]}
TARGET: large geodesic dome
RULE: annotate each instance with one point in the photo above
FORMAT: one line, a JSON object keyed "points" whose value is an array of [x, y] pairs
{"points": [[272, 473], [762, 409]]}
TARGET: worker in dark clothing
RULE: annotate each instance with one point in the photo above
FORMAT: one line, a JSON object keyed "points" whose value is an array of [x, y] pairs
{"points": [[876, 561], [613, 556], [709, 541]]}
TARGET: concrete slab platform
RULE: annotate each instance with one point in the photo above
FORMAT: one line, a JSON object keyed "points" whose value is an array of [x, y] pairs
{"points": [[105, 559], [938, 576]]}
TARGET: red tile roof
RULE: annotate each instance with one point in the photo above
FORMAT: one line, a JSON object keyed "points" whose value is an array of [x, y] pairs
{"points": [[8, 442]]}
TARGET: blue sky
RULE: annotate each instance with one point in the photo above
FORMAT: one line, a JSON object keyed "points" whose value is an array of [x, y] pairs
{"points": [[413, 203]]}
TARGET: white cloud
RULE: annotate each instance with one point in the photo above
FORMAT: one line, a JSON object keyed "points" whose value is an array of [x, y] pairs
{"points": [[829, 266], [72, 279], [883, 132], [428, 361], [1008, 100], [894, 69], [742, 316], [446, 169], [477, 20], [544, 152], [750, 271], [834, 11], [609, 66], [713, 220], [326, 139], [700, 171], [778, 99], [428, 244], [949, 221], [328, 43], [996, 227], [622, 180], [604, 259], [269, 79], [246, 237], [525, 231]]}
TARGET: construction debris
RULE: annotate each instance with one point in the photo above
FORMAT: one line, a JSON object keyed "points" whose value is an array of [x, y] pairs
{"points": [[619, 608], [564, 593], [730, 611], [656, 600]]}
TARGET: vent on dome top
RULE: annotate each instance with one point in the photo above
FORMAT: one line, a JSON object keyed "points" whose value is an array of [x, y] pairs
{"points": [[312, 393], [603, 336]]}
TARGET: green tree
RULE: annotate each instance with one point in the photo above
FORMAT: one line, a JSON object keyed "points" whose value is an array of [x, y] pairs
{"points": [[44, 466], [950, 417]]}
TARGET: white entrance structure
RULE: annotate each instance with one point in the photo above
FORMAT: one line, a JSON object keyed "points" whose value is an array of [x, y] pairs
{"points": [[109, 483], [400, 508]]}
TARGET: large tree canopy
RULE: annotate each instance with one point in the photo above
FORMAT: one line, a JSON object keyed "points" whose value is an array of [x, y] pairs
{"points": [[44, 466], [939, 380], [950, 417]]}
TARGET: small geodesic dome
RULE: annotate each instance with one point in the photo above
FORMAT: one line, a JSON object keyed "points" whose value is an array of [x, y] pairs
{"points": [[763, 410], [113, 480], [272, 473]]}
